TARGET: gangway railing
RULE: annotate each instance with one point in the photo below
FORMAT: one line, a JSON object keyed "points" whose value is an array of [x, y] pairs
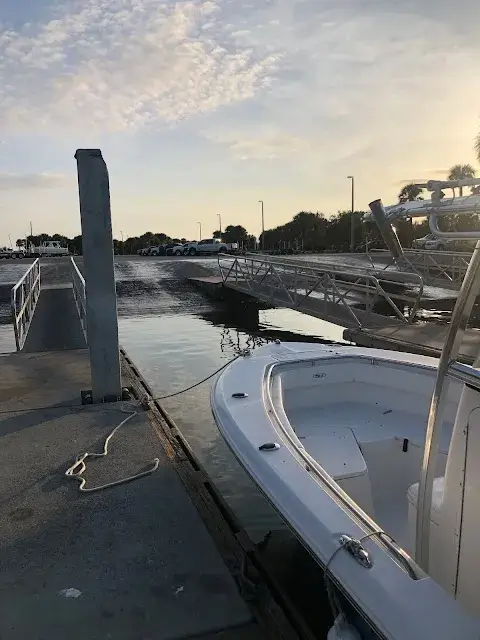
{"points": [[78, 283], [440, 268], [305, 286], [24, 299]]}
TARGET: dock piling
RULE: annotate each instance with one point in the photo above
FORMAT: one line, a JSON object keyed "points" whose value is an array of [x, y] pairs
{"points": [[99, 273]]}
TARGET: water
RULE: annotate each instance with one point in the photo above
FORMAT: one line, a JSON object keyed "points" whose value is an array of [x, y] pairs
{"points": [[174, 351]]}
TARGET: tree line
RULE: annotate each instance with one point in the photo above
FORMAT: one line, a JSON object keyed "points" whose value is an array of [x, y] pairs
{"points": [[307, 231]]}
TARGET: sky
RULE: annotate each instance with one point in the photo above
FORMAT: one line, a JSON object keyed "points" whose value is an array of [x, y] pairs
{"points": [[205, 107]]}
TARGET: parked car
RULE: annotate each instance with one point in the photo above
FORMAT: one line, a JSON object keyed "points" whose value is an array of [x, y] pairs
{"points": [[174, 249], [419, 243], [440, 244], [209, 246]]}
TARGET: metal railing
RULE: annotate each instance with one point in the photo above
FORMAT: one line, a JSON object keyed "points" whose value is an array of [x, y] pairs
{"points": [[309, 287], [78, 283], [441, 268], [24, 298]]}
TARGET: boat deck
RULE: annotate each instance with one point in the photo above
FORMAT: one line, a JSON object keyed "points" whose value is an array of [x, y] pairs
{"points": [[130, 562]]}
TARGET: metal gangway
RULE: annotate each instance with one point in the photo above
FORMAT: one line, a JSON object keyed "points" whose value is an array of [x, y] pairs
{"points": [[353, 298], [48, 307], [445, 269]]}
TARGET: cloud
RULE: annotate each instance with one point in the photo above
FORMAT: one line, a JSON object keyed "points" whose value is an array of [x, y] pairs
{"points": [[258, 144], [121, 64], [10, 181]]}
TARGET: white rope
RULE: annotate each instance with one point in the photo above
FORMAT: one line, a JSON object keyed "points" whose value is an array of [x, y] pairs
{"points": [[79, 463]]}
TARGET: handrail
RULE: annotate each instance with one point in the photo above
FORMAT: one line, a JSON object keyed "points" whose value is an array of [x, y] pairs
{"points": [[394, 549], [465, 373], [450, 235], [438, 268], [23, 299], [461, 313], [394, 277], [297, 280], [78, 283]]}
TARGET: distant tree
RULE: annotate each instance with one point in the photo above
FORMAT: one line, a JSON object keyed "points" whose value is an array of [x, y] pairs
{"points": [[75, 246], [461, 172], [20, 243], [217, 234], [477, 146], [409, 193], [235, 233]]}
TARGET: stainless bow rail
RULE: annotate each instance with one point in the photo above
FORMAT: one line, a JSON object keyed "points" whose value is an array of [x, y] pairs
{"points": [[78, 283], [348, 297], [24, 298]]}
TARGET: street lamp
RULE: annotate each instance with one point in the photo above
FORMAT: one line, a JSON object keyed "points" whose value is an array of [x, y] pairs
{"points": [[220, 224], [200, 228], [352, 216], [263, 227]]}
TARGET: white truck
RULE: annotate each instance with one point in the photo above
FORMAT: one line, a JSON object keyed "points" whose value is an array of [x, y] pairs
{"points": [[50, 248], [209, 246], [7, 253]]}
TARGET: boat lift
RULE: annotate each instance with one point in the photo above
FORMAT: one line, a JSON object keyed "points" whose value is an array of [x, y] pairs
{"points": [[448, 367]]}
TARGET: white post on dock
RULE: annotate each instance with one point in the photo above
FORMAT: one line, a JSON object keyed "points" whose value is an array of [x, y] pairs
{"points": [[99, 274]]}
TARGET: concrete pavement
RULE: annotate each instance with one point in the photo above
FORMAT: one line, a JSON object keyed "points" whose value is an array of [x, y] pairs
{"points": [[137, 556]]}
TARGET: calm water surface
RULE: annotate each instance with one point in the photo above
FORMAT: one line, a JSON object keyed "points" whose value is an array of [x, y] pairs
{"points": [[175, 351]]}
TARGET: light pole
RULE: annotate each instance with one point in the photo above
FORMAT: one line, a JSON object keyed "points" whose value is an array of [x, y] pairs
{"points": [[263, 227], [352, 216], [200, 229], [220, 224]]}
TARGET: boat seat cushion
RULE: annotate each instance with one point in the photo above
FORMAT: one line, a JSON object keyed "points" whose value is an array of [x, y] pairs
{"points": [[336, 450]]}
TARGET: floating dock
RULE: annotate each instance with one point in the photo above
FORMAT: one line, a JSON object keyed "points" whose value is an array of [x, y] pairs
{"points": [[132, 561]]}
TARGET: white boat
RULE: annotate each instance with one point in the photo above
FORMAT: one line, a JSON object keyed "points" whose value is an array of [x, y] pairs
{"points": [[372, 458]]}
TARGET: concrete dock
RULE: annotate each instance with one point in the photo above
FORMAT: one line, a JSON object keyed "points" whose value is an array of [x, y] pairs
{"points": [[133, 561]]}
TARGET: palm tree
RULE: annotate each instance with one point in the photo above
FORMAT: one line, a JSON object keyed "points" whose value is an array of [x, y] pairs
{"points": [[410, 192], [477, 146], [461, 172]]}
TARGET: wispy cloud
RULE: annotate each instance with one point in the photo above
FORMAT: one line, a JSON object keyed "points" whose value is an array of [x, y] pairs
{"points": [[120, 64], [9, 181], [263, 144]]}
